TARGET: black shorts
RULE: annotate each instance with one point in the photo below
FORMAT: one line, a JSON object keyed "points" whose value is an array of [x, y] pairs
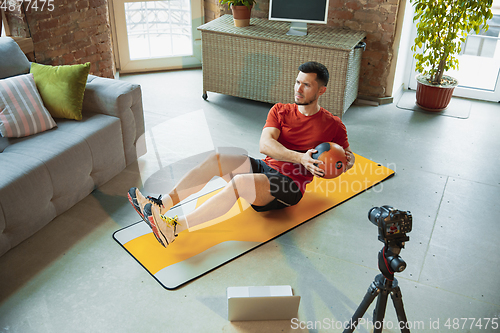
{"points": [[284, 190]]}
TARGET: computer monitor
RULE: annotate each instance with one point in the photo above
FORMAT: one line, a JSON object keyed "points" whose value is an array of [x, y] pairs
{"points": [[299, 13]]}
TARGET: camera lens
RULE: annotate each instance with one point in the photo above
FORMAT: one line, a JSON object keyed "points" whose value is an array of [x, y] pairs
{"points": [[374, 214]]}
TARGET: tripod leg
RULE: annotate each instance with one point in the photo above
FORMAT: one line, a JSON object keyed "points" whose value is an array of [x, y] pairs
{"points": [[370, 295], [379, 312], [397, 299]]}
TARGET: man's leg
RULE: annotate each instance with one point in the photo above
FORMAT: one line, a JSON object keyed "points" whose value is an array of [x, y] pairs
{"points": [[222, 165], [254, 188]]}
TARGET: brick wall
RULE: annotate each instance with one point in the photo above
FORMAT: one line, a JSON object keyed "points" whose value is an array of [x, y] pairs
{"points": [[75, 32], [376, 17]]}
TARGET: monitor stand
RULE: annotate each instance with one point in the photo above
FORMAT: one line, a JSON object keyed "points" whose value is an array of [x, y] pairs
{"points": [[297, 29]]}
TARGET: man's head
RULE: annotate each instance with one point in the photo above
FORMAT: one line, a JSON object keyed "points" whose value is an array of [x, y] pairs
{"points": [[322, 75], [310, 83]]}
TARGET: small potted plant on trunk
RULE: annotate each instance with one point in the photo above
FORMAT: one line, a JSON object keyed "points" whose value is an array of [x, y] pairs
{"points": [[241, 11], [442, 27]]}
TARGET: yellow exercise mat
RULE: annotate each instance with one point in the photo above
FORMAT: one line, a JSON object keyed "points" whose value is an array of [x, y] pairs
{"points": [[210, 245]]}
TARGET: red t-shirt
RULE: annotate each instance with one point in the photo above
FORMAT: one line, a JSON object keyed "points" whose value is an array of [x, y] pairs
{"points": [[301, 133]]}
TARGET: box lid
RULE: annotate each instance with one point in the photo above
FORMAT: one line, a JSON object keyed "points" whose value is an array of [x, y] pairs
{"points": [[317, 35]]}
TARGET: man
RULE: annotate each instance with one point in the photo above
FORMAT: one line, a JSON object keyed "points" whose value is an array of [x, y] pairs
{"points": [[288, 139]]}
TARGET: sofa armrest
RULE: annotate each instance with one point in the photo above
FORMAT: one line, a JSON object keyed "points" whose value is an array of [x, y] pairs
{"points": [[123, 100]]}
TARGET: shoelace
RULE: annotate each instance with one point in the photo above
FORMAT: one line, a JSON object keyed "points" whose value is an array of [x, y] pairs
{"points": [[169, 220], [157, 201]]}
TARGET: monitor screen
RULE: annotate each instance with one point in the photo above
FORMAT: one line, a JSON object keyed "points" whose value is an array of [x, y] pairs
{"points": [[307, 11]]}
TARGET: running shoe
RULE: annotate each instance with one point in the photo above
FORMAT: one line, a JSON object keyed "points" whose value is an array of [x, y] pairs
{"points": [[132, 198], [164, 227]]}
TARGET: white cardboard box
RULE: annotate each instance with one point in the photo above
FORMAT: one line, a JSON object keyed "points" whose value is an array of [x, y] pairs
{"points": [[262, 303]]}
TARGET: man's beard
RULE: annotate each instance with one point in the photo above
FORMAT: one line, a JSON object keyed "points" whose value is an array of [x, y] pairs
{"points": [[309, 102]]}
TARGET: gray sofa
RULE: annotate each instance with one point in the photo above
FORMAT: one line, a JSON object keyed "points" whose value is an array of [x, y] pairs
{"points": [[45, 174]]}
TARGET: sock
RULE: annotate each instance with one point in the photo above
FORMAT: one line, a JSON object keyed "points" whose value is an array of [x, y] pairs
{"points": [[174, 198]]}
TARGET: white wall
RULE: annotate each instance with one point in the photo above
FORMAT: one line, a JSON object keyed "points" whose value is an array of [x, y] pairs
{"points": [[404, 61]]}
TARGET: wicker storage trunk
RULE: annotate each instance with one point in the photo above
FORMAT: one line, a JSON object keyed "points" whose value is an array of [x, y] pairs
{"points": [[260, 62]]}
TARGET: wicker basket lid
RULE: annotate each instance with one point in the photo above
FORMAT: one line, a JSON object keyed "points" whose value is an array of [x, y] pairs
{"points": [[317, 35]]}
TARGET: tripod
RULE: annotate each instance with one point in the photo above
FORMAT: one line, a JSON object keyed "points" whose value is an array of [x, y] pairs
{"points": [[383, 285]]}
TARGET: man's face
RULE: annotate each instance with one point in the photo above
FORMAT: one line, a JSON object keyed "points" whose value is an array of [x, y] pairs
{"points": [[307, 89]]}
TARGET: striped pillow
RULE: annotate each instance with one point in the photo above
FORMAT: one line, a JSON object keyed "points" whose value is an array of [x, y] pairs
{"points": [[21, 109]]}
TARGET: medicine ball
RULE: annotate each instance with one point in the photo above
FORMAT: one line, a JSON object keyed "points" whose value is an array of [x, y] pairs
{"points": [[333, 157]]}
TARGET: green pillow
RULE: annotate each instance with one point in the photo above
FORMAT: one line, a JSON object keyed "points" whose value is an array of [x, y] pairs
{"points": [[62, 88]]}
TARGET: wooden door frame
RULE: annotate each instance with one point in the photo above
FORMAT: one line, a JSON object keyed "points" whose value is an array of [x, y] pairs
{"points": [[199, 18]]}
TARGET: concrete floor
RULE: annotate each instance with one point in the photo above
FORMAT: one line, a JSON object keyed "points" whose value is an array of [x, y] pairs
{"points": [[73, 277]]}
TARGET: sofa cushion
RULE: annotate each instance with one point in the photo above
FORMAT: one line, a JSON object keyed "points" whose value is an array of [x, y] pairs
{"points": [[14, 62], [4, 142], [77, 158], [62, 88], [24, 180], [103, 135], [54, 170], [22, 112], [68, 161]]}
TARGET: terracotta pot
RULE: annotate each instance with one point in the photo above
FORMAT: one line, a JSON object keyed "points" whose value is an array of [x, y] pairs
{"points": [[241, 15], [431, 97]]}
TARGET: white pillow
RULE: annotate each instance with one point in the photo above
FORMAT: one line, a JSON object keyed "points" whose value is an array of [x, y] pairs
{"points": [[22, 112]]}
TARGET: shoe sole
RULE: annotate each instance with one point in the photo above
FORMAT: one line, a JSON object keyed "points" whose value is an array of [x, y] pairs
{"points": [[135, 204]]}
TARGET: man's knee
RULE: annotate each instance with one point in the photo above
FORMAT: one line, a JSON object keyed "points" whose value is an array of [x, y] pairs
{"points": [[232, 165], [243, 186], [238, 184], [253, 188]]}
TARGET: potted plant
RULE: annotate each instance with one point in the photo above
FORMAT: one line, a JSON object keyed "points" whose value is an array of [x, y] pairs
{"points": [[442, 27], [241, 11]]}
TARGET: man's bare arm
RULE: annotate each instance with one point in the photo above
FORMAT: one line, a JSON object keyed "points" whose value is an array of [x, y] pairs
{"points": [[270, 146]]}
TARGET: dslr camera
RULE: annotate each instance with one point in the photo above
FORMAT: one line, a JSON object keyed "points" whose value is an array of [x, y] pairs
{"points": [[393, 224]]}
